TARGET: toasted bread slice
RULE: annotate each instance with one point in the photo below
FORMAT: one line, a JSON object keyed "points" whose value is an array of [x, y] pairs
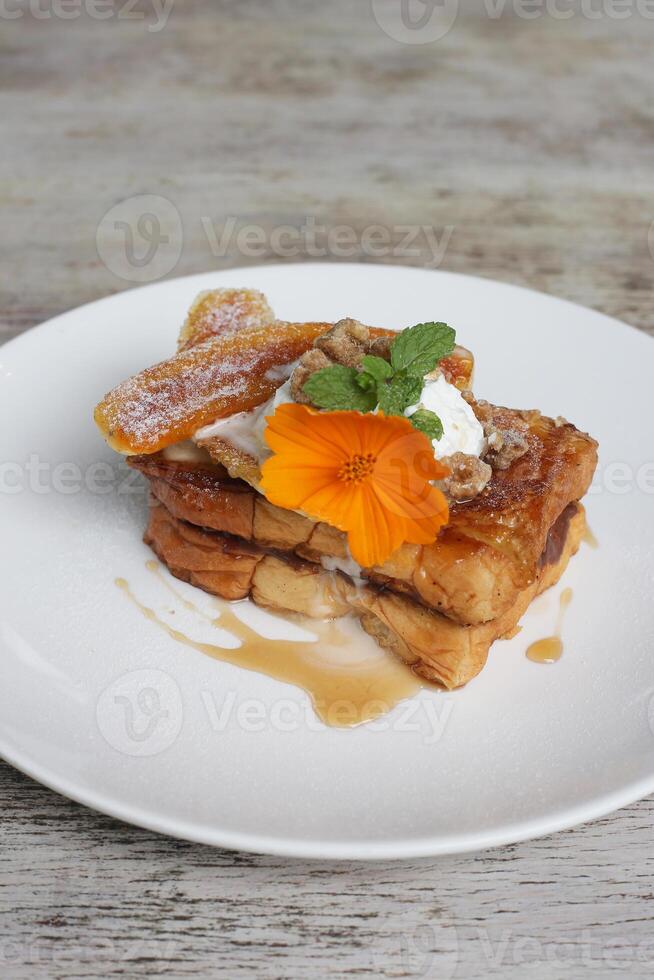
{"points": [[472, 573], [515, 511], [437, 648]]}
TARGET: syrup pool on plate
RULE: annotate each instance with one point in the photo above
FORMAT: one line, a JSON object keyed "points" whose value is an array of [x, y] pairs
{"points": [[349, 678], [550, 649]]}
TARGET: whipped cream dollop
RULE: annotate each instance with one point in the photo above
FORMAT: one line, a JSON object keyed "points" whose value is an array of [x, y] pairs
{"points": [[245, 430], [462, 431]]}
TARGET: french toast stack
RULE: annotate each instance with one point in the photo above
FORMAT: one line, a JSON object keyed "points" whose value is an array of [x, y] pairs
{"points": [[438, 606]]}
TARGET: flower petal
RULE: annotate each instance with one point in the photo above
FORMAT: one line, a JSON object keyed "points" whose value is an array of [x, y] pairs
{"points": [[374, 535], [339, 505], [289, 429], [289, 485], [392, 504]]}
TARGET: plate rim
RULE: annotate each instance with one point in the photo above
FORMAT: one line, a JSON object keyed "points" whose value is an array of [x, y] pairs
{"points": [[314, 849], [303, 266]]}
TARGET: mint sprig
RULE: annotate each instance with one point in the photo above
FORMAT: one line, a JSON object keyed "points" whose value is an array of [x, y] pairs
{"points": [[419, 349], [428, 422], [375, 367], [400, 392], [335, 388], [393, 387]]}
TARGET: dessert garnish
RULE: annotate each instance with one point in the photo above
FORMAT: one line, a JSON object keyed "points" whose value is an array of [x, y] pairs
{"points": [[368, 475], [393, 386], [336, 470]]}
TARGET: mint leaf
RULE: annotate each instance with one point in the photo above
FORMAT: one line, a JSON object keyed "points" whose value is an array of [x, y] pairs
{"points": [[377, 367], [335, 388], [366, 381], [417, 350], [375, 370], [397, 394], [428, 422]]}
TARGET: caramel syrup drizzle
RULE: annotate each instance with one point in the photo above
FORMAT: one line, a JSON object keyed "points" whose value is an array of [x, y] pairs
{"points": [[550, 649], [344, 693], [590, 539]]}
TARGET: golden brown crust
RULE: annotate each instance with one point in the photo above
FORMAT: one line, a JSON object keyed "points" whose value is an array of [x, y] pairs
{"points": [[515, 511], [437, 648], [234, 569], [443, 651], [464, 574], [196, 556]]}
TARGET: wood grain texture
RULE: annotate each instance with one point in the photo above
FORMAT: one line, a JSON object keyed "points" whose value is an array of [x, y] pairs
{"points": [[525, 146]]}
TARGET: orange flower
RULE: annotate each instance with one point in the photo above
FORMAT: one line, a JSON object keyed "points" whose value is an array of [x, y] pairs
{"points": [[364, 474]]}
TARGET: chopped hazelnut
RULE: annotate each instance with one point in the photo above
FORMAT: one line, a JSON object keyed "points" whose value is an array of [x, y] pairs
{"points": [[468, 476], [314, 360], [504, 446], [381, 347], [346, 343]]}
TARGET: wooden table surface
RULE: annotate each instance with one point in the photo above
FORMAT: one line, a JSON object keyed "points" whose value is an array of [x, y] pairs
{"points": [[523, 144]]}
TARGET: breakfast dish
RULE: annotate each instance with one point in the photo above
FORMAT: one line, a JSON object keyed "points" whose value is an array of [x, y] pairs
{"points": [[100, 701], [335, 469]]}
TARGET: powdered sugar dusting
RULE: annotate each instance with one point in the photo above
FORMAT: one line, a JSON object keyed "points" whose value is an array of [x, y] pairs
{"points": [[223, 312], [223, 375]]}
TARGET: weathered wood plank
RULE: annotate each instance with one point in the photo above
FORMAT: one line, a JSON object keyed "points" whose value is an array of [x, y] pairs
{"points": [[82, 895]]}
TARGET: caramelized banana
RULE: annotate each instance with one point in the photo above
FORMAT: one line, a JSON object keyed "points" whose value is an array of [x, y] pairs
{"points": [[232, 373], [217, 312], [228, 349]]}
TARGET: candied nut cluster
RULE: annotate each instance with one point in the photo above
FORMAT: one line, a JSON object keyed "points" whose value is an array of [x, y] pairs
{"points": [[381, 347], [468, 476], [504, 446], [314, 360], [346, 343]]}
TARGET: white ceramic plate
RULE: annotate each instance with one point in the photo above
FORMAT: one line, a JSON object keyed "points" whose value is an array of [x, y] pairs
{"points": [[101, 705]]}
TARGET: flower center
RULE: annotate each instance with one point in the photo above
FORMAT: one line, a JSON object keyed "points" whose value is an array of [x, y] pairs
{"points": [[357, 468]]}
